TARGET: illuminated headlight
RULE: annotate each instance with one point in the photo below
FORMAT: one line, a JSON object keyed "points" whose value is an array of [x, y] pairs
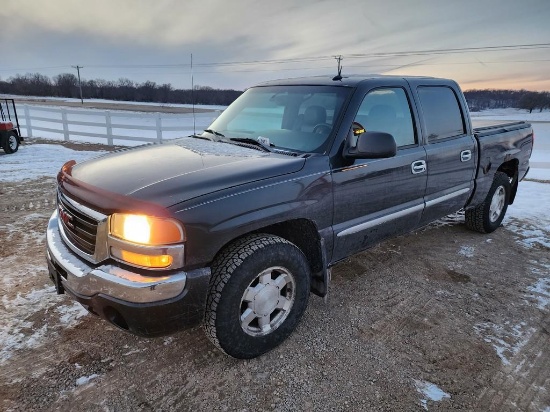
{"points": [[146, 230], [146, 241]]}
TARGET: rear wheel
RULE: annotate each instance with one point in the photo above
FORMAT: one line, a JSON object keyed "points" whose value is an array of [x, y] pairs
{"points": [[258, 293], [487, 216], [11, 143]]}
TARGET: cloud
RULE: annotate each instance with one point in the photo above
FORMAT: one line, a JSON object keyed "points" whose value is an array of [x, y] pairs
{"points": [[117, 32]]}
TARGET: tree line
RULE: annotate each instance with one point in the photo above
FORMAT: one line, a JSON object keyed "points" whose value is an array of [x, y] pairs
{"points": [[498, 99], [66, 85]]}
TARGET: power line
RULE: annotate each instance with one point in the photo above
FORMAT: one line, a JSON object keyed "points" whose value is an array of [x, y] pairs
{"points": [[453, 50], [374, 64], [225, 66], [34, 68], [322, 58]]}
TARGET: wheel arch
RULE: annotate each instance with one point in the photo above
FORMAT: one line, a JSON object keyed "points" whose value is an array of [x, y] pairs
{"points": [[511, 168], [304, 234]]}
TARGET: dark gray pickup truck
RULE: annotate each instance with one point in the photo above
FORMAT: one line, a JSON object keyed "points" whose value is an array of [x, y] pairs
{"points": [[236, 226]]}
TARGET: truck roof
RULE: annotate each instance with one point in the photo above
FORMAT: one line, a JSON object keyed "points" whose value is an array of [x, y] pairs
{"points": [[351, 80]]}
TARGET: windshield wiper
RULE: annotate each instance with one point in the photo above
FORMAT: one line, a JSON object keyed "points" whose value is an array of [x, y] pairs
{"points": [[196, 136], [214, 132], [249, 140]]}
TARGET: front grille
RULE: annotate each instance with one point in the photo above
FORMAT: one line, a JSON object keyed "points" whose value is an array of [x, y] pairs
{"points": [[80, 229]]}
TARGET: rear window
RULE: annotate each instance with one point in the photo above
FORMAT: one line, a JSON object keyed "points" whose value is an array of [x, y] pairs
{"points": [[442, 114]]}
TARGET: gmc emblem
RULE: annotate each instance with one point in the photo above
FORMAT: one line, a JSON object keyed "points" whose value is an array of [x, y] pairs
{"points": [[65, 217]]}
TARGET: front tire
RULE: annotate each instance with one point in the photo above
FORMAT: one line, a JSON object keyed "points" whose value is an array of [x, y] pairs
{"points": [[487, 216], [258, 292]]}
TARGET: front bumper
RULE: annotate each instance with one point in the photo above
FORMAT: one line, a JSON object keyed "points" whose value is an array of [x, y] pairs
{"points": [[141, 304]]}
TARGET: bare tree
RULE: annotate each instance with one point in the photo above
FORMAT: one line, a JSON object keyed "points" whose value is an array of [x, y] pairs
{"points": [[66, 84], [529, 101]]}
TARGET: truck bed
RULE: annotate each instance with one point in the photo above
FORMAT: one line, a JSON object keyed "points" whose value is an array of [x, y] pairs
{"points": [[483, 127], [499, 142]]}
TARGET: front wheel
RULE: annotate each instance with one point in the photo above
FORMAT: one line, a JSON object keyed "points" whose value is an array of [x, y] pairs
{"points": [[487, 216], [258, 293]]}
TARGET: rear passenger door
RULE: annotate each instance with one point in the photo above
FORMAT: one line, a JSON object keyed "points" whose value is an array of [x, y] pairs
{"points": [[450, 149]]}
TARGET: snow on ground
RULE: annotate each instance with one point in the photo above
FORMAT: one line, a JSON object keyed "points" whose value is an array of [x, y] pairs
{"points": [[539, 174], [69, 315], [137, 125], [430, 391], [38, 160], [467, 251], [67, 99], [529, 216], [512, 114], [83, 380], [19, 330], [12, 336], [507, 339], [540, 291]]}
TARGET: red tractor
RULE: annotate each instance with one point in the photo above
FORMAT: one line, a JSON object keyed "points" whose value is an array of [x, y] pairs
{"points": [[10, 133]]}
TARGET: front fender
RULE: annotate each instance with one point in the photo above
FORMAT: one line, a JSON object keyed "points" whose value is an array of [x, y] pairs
{"points": [[213, 221]]}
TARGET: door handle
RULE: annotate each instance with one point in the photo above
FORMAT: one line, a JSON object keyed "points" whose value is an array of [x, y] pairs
{"points": [[418, 166], [465, 155]]}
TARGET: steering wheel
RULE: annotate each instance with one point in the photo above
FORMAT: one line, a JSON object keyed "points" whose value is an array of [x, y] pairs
{"points": [[322, 128]]}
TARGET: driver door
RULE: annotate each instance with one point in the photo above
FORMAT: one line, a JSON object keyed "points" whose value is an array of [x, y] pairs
{"points": [[378, 198]]}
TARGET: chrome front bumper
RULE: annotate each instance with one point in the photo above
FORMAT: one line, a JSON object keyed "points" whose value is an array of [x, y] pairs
{"points": [[81, 278]]}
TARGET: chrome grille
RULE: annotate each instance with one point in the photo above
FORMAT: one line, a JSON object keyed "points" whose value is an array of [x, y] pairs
{"points": [[80, 229]]}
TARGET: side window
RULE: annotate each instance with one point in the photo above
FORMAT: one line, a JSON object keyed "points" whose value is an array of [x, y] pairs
{"points": [[387, 110], [441, 111]]}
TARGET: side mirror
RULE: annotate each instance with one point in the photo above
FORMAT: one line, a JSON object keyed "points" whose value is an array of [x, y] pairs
{"points": [[372, 145]]}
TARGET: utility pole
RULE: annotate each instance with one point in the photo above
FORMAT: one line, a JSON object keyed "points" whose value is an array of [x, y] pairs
{"points": [[193, 95], [79, 83]]}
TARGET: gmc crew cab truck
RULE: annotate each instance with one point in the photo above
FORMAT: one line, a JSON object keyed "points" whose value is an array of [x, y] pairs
{"points": [[236, 226]]}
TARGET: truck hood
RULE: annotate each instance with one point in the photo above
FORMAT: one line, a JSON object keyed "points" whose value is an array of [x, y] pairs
{"points": [[172, 173]]}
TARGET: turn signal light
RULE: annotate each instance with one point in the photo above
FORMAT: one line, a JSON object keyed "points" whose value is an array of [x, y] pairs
{"points": [[138, 259]]}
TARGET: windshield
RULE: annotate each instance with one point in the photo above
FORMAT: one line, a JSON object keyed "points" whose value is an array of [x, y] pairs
{"points": [[294, 118]]}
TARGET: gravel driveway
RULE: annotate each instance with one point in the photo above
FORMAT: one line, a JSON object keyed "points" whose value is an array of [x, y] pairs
{"points": [[442, 318]]}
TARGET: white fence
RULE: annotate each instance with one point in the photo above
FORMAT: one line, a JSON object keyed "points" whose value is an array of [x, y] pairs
{"points": [[101, 125]]}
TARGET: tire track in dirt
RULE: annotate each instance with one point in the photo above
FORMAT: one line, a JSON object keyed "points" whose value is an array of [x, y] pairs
{"points": [[411, 309], [523, 384]]}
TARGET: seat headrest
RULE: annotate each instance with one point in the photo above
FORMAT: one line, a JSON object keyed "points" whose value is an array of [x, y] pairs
{"points": [[314, 115]]}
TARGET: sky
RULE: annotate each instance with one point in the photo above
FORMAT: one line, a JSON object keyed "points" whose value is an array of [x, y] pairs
{"points": [[238, 43]]}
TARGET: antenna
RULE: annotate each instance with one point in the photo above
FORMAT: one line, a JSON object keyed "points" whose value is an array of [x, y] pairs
{"points": [[339, 75], [193, 94]]}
